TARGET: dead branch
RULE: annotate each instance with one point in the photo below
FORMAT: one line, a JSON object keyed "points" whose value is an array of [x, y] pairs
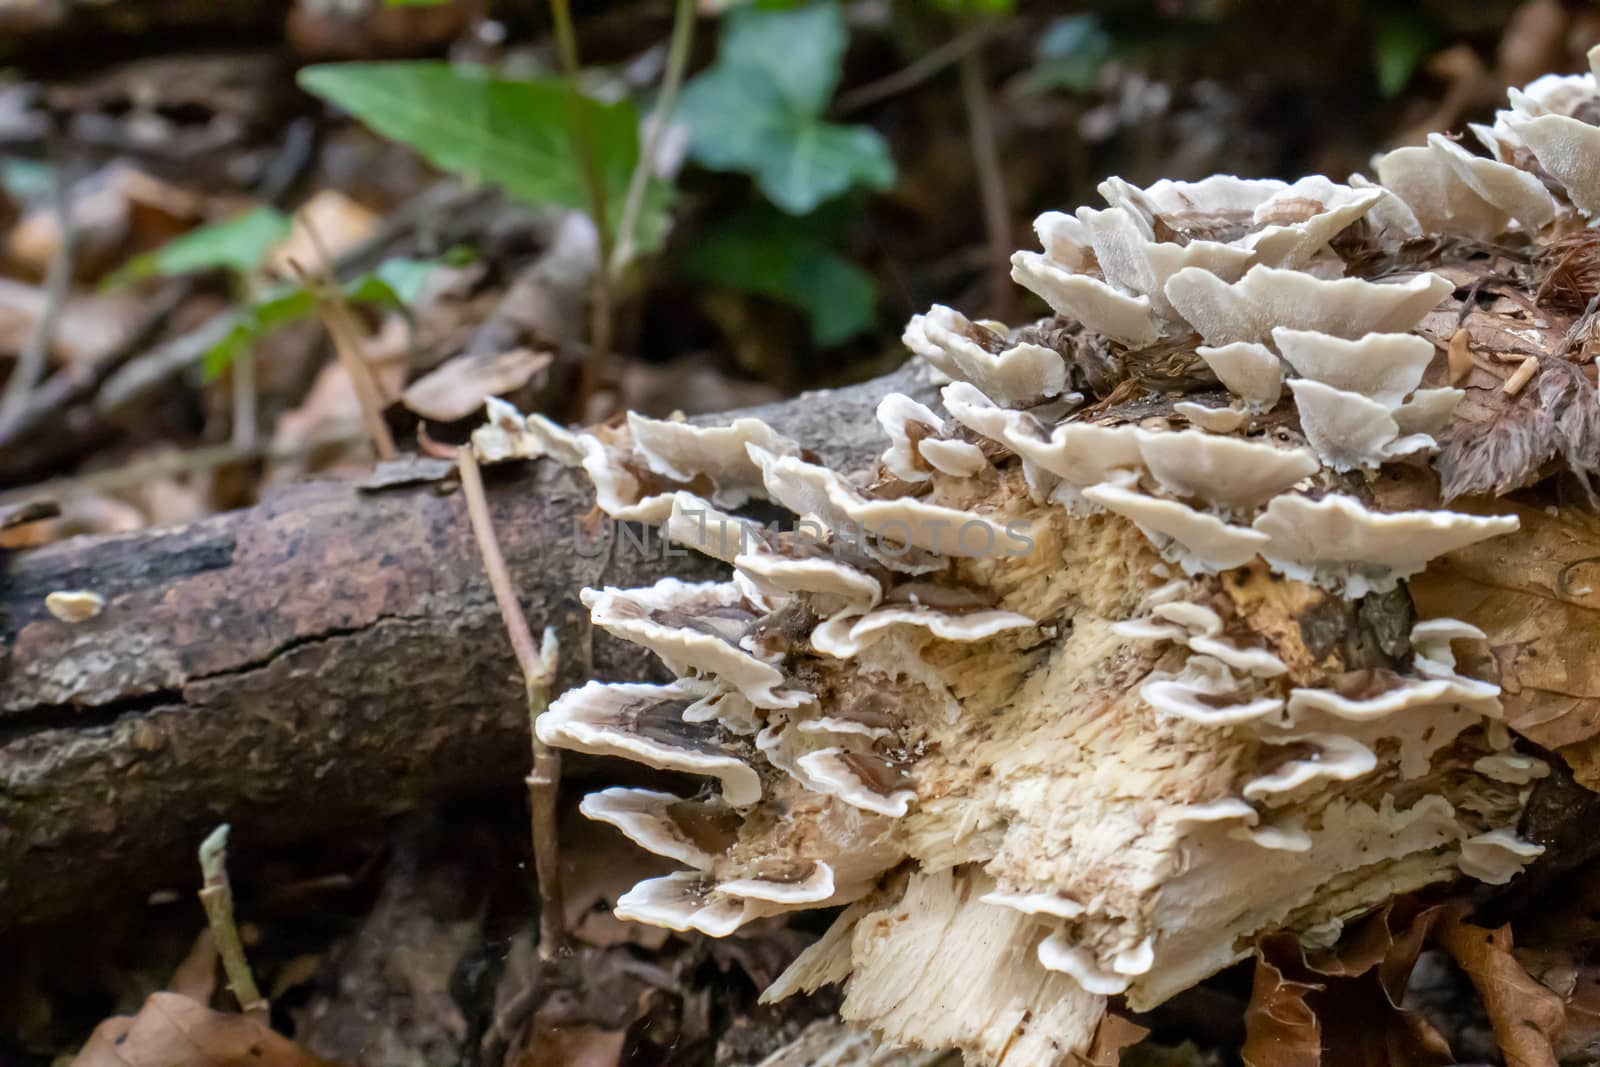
{"points": [[330, 657]]}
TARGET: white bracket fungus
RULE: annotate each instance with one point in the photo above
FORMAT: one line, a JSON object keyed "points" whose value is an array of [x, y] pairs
{"points": [[1095, 778]]}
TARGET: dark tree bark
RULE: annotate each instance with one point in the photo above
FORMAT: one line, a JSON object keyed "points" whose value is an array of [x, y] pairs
{"points": [[328, 658]]}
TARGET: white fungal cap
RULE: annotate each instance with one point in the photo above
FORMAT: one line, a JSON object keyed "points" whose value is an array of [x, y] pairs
{"points": [[1428, 411], [843, 637], [1497, 856], [1336, 541], [689, 900], [694, 627], [1297, 222], [1065, 240], [811, 891], [1569, 151], [1248, 309], [1511, 767], [1050, 904], [1193, 539], [1219, 206], [1250, 370], [1386, 367], [694, 523], [683, 452], [1131, 261], [1230, 472], [780, 575], [1510, 189], [1101, 307], [811, 490], [1430, 183], [1058, 953], [1431, 641], [896, 413], [1212, 420], [1333, 758], [1348, 430], [1403, 695], [507, 434], [1257, 661], [664, 824], [1019, 375], [645, 723], [959, 459], [1207, 693], [859, 779], [1081, 453]]}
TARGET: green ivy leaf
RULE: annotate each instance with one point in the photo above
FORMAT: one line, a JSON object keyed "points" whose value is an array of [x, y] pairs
{"points": [[757, 109], [394, 283], [1070, 54], [1402, 39], [786, 260], [513, 133], [238, 245]]}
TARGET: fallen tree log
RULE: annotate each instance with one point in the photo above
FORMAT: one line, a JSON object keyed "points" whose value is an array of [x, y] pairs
{"points": [[328, 658]]}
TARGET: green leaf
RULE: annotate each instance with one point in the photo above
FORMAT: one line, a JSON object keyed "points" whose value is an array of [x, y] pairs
{"points": [[514, 133], [757, 109], [277, 307], [800, 51], [238, 244], [1402, 39], [1070, 54], [394, 283], [783, 259]]}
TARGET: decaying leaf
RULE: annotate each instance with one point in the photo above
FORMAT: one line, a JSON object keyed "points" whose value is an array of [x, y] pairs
{"points": [[458, 387], [1281, 1028], [1526, 1015], [1342, 1006], [1542, 620], [173, 1031]]}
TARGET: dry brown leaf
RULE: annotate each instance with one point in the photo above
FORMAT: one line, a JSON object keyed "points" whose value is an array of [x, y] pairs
{"points": [[1114, 1034], [1526, 1016], [174, 1031], [329, 219], [1536, 595], [457, 388], [1341, 1007], [574, 1046], [1281, 1030]]}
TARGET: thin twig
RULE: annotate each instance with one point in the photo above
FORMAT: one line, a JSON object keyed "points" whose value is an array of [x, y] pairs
{"points": [[538, 673], [991, 181], [29, 368], [913, 75], [217, 898], [598, 358], [660, 119], [340, 322]]}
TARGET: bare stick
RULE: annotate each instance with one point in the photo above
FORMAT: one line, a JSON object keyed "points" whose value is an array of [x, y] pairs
{"points": [[660, 118], [991, 180], [217, 898], [538, 674], [909, 77], [58, 283], [599, 356], [340, 322]]}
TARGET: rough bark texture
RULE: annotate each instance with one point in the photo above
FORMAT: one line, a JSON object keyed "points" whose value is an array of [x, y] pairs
{"points": [[327, 658]]}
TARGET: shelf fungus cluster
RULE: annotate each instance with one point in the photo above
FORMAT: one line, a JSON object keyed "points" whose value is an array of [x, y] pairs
{"points": [[1077, 694]]}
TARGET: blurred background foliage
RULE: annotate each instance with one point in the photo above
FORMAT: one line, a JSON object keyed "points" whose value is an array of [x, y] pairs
{"points": [[779, 185]]}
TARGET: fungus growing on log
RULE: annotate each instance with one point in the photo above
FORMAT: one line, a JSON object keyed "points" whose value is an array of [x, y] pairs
{"points": [[1040, 698]]}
